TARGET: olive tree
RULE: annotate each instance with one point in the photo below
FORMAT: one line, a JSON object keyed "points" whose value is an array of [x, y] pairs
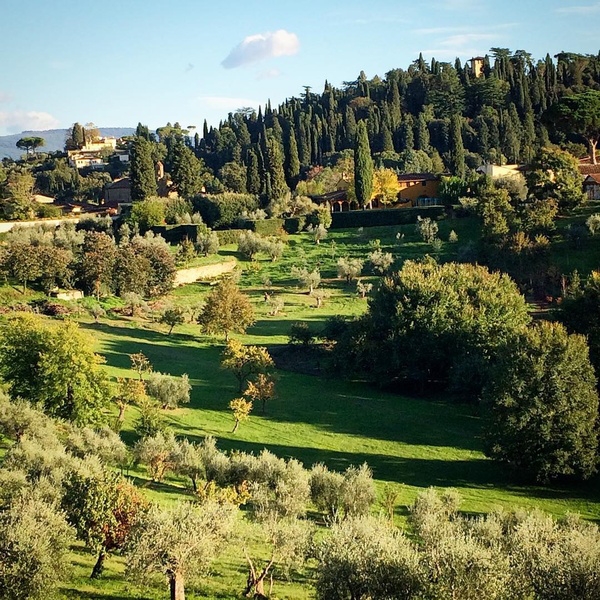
{"points": [[180, 543]]}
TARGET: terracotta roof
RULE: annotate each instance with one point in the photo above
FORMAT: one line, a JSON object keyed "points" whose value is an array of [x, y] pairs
{"points": [[418, 177], [592, 178], [336, 195], [589, 169], [123, 183]]}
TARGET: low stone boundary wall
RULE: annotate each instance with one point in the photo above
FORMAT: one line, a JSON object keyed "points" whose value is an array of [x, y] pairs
{"points": [[193, 274]]}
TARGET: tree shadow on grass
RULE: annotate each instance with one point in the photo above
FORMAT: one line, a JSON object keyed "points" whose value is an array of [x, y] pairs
{"points": [[476, 474], [332, 405]]}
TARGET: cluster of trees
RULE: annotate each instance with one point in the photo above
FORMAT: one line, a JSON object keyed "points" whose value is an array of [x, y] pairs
{"points": [[428, 118], [463, 328], [69, 256], [60, 483]]}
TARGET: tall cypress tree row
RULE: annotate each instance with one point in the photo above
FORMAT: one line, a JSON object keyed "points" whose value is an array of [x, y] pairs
{"points": [[142, 174], [363, 165]]}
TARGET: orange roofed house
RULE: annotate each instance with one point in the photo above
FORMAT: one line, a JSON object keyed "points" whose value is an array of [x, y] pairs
{"points": [[416, 189]]}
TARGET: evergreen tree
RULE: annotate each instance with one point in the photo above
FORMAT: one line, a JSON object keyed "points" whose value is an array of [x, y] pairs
{"points": [[252, 172], [143, 176], [457, 151], [422, 134], [276, 176], [292, 162], [363, 166], [186, 170]]}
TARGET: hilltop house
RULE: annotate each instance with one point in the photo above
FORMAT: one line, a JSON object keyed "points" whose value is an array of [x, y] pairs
{"points": [[416, 189], [91, 154]]}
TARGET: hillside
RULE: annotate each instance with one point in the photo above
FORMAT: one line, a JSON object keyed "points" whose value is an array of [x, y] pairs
{"points": [[55, 139]]}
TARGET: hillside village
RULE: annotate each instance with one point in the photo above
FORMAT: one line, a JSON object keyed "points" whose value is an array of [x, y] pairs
{"points": [[346, 347]]}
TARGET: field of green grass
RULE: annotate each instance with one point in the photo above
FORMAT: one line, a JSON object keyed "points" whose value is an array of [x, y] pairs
{"points": [[410, 443]]}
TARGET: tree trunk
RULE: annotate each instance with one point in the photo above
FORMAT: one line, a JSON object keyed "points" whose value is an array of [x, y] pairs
{"points": [[171, 329], [99, 566], [255, 584], [237, 422], [593, 144], [176, 586]]}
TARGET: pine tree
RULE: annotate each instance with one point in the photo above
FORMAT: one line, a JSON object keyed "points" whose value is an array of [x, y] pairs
{"points": [[142, 174], [363, 165]]}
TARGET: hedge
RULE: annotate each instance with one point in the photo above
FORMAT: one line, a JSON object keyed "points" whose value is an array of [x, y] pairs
{"points": [[175, 234], [294, 224], [223, 210], [228, 236], [390, 216], [265, 227]]}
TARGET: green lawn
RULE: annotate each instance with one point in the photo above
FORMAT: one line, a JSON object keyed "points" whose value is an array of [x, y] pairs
{"points": [[410, 443]]}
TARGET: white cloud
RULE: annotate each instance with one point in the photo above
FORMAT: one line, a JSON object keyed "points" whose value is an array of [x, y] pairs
{"points": [[5, 97], [21, 120], [586, 9], [227, 102], [268, 74], [262, 45]]}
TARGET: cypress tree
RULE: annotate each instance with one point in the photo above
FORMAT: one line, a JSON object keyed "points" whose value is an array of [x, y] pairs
{"points": [[292, 162], [457, 149], [142, 174], [363, 165], [407, 137], [350, 127], [186, 170], [422, 140], [252, 172], [277, 187], [387, 142]]}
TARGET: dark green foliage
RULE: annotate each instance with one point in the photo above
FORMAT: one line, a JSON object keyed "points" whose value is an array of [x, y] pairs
{"points": [[375, 218], [266, 227], [53, 367], [457, 151], [363, 166], [442, 324], [142, 173], [301, 333], [294, 224], [276, 183], [543, 405], [222, 210], [580, 312], [175, 234], [228, 237], [186, 170]]}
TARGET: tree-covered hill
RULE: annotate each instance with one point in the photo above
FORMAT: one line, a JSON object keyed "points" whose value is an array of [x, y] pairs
{"points": [[54, 139], [435, 116]]}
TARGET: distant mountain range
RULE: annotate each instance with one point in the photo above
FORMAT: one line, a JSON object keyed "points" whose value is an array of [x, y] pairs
{"points": [[55, 139]]}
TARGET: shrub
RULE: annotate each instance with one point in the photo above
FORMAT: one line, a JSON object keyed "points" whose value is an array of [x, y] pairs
{"points": [[300, 333], [222, 210]]}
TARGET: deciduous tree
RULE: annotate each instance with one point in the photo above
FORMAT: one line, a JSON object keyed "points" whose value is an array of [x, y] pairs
{"points": [[226, 309]]}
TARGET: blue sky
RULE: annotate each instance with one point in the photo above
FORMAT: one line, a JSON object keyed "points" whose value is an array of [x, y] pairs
{"points": [[119, 62]]}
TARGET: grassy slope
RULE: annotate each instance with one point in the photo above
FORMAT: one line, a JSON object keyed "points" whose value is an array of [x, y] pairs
{"points": [[410, 443]]}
